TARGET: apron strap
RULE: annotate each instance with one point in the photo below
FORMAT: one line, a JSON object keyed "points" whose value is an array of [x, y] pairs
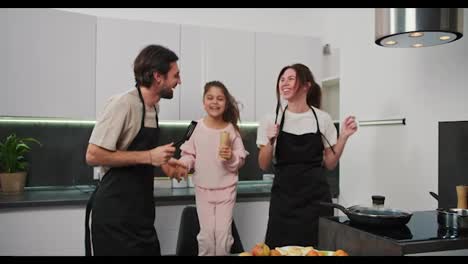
{"points": [[144, 110], [282, 118], [318, 130], [316, 119], [89, 207]]}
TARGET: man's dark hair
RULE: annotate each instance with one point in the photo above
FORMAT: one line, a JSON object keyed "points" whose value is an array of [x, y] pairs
{"points": [[153, 58]]}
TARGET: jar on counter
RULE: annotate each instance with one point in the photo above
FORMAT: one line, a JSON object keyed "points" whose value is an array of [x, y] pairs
{"points": [[190, 181], [378, 201], [179, 184]]}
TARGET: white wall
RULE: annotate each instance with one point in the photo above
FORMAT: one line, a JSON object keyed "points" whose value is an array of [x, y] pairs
{"points": [[331, 64], [425, 85]]}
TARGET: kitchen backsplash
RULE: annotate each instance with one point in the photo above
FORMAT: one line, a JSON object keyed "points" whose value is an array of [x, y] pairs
{"points": [[61, 159]]}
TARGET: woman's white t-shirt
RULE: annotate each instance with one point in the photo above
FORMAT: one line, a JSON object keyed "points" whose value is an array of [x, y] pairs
{"points": [[298, 124]]}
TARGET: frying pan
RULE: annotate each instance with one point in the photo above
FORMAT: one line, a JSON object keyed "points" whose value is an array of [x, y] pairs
{"points": [[451, 218], [385, 217]]}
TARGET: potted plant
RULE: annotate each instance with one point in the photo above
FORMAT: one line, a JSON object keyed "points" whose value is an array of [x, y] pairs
{"points": [[13, 165]]}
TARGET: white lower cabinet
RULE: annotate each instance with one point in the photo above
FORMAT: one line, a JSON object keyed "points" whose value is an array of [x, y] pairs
{"points": [[59, 231]]}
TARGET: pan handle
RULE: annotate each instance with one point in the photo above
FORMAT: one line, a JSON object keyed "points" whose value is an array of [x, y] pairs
{"points": [[433, 194], [334, 205]]}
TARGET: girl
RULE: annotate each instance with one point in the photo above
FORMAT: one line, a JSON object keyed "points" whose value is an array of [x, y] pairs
{"points": [[216, 168], [303, 142]]}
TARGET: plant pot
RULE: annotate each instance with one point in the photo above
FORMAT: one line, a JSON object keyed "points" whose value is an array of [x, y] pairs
{"points": [[13, 183]]}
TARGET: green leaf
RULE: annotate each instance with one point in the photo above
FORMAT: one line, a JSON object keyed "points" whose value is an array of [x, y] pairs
{"points": [[12, 152], [22, 166], [32, 140]]}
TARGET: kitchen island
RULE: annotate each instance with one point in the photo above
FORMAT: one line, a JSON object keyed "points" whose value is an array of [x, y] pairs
{"points": [[421, 236], [49, 221]]}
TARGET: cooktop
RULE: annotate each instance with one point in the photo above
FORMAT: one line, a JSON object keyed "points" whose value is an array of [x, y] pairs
{"points": [[422, 226]]}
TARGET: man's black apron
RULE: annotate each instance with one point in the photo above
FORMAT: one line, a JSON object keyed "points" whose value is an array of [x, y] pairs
{"points": [[123, 205], [299, 182]]}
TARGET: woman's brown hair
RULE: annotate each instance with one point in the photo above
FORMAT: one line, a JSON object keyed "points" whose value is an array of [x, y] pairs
{"points": [[303, 77], [231, 113]]}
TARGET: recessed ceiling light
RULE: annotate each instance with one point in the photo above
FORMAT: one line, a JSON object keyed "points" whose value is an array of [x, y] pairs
{"points": [[417, 45], [444, 38], [416, 34]]}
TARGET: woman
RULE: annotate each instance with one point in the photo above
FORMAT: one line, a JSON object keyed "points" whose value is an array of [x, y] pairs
{"points": [[302, 145]]}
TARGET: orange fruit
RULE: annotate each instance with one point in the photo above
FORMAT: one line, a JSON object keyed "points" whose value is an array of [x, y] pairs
{"points": [[340, 252], [313, 253], [274, 252], [260, 249]]}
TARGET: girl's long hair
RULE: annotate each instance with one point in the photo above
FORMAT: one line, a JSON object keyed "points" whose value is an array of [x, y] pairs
{"points": [[231, 112]]}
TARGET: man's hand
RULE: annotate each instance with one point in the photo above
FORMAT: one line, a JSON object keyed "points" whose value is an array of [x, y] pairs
{"points": [[161, 155]]}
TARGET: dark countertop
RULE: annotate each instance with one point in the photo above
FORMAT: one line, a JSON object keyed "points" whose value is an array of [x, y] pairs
{"points": [[422, 234], [247, 191], [79, 195]]}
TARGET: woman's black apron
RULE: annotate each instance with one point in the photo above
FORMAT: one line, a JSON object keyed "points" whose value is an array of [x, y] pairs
{"points": [[299, 182], [123, 209]]}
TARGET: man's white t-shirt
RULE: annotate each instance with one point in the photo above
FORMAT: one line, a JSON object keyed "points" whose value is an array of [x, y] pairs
{"points": [[299, 124]]}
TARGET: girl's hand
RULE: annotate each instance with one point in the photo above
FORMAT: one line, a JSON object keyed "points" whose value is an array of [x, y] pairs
{"points": [[225, 152], [175, 169], [181, 172]]}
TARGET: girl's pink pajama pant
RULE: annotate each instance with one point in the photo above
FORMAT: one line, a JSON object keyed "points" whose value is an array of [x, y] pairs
{"points": [[214, 209]]}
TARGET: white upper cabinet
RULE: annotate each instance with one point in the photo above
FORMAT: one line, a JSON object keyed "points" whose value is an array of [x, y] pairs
{"points": [[118, 43], [217, 54], [62, 64], [192, 73], [49, 69], [272, 53], [3, 48], [230, 58]]}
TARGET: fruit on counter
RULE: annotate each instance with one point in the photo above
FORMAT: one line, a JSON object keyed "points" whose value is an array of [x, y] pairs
{"points": [[260, 249], [275, 252], [312, 253], [340, 252]]}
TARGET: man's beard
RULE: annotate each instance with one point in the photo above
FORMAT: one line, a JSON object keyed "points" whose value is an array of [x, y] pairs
{"points": [[167, 93]]}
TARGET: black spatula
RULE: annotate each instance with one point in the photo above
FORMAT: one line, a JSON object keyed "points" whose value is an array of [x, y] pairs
{"points": [[187, 135]]}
